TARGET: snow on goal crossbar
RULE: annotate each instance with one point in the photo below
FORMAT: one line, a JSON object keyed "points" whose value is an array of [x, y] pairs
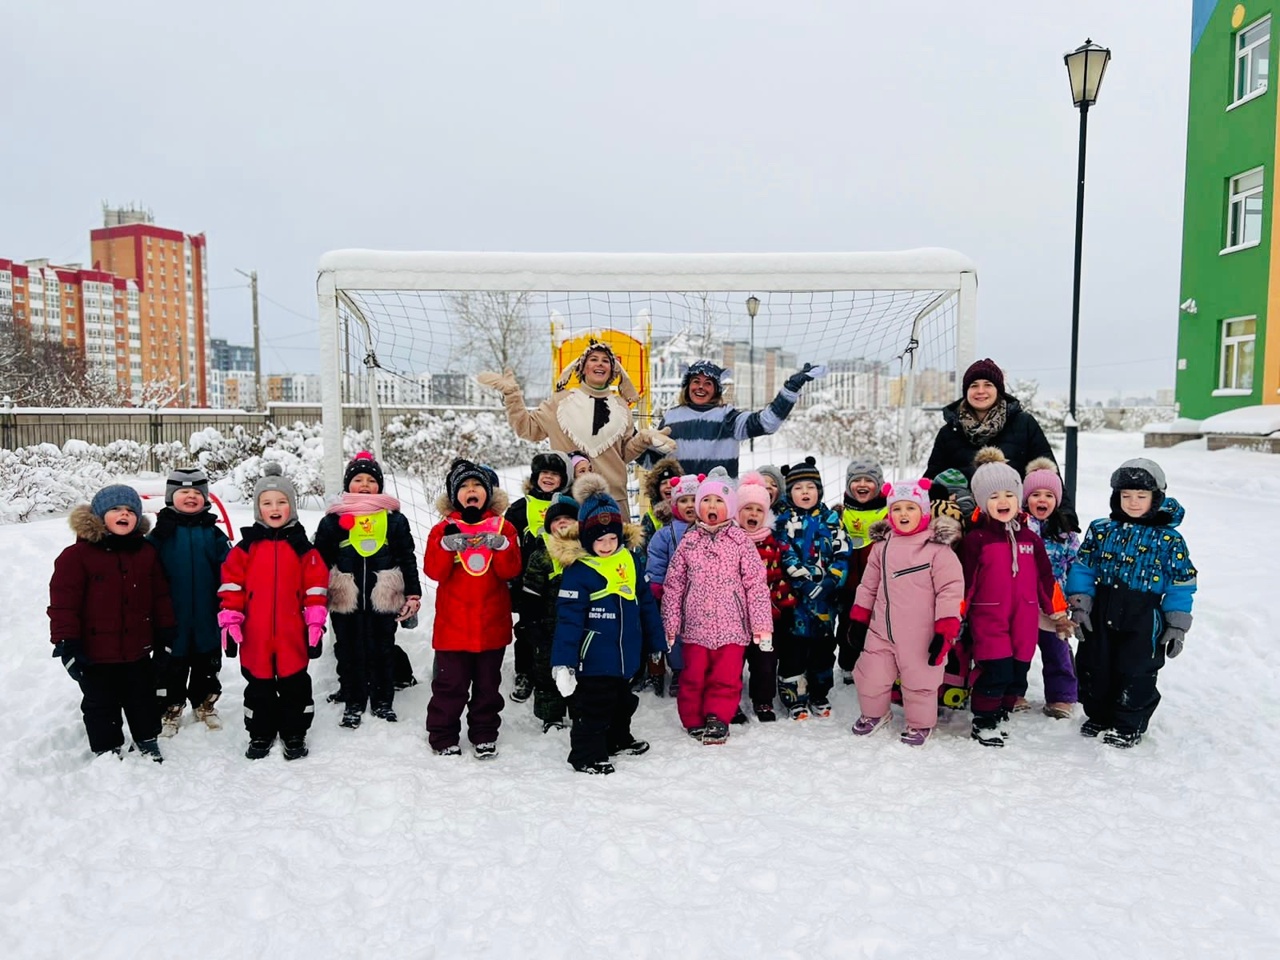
{"points": [[409, 330]]}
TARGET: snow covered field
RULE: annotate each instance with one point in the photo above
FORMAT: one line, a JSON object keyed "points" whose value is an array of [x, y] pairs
{"points": [[791, 841]]}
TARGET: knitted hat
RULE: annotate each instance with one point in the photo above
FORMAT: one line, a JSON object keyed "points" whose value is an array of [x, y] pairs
{"points": [[769, 470], [686, 486], [984, 370], [551, 461], [913, 491], [751, 489], [186, 478], [863, 468], [462, 470], [702, 368], [561, 506], [1042, 474], [806, 469], [598, 513], [722, 487], [953, 484], [1138, 474], [274, 480], [362, 462], [576, 458], [116, 495], [993, 475]]}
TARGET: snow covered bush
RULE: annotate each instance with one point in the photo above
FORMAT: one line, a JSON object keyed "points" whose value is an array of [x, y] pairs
{"points": [[42, 480], [860, 433], [423, 445]]}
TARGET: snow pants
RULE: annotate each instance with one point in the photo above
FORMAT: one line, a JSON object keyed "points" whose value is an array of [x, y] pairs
{"points": [[1120, 660], [999, 685], [762, 674], [278, 706], [363, 646], [710, 684], [112, 689], [548, 705], [191, 679], [1059, 669], [464, 680], [882, 663], [812, 657], [524, 648], [602, 708]]}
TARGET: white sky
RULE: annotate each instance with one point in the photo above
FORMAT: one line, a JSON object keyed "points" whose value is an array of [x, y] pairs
{"points": [[285, 129]]}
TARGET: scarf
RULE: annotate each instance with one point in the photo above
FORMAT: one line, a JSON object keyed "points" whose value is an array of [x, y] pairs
{"points": [[981, 432], [760, 534], [587, 418], [362, 504]]}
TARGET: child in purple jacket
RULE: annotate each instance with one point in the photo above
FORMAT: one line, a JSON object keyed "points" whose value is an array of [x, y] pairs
{"points": [[1041, 497], [716, 601], [1008, 584]]}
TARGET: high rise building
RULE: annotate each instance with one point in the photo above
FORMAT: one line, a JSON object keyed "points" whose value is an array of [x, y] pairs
{"points": [[170, 270]]}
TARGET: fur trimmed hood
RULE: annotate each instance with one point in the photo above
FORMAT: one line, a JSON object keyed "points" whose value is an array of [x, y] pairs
{"points": [[566, 549], [664, 468], [943, 530], [499, 503], [87, 525]]}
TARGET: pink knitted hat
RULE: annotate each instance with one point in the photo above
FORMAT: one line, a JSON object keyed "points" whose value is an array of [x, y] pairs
{"points": [[721, 487], [686, 486], [917, 491], [751, 489], [1042, 474]]}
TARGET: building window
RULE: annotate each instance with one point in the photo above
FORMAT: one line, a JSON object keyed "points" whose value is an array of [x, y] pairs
{"points": [[1238, 337], [1253, 52], [1244, 210]]}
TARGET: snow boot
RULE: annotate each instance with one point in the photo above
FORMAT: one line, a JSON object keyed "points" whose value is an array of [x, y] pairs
{"points": [[915, 736], [847, 677], [1059, 711], [385, 712], [764, 712], [657, 673], [673, 685], [171, 720], [336, 697], [819, 707], [600, 768], [715, 731], [257, 749], [864, 726], [1124, 739], [453, 750], [696, 732], [117, 752], [793, 693], [550, 725], [1020, 704], [986, 730], [740, 717], [1002, 723], [150, 749], [522, 689], [632, 749], [486, 751], [352, 716], [295, 748], [1091, 727], [207, 714]]}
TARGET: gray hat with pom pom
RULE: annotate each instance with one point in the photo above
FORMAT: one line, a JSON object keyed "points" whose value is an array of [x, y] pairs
{"points": [[273, 480]]}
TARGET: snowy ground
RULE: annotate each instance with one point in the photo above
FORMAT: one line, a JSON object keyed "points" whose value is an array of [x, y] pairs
{"points": [[791, 841]]}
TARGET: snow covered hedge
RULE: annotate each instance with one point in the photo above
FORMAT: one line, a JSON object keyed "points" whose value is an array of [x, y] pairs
{"points": [[44, 479], [862, 433]]}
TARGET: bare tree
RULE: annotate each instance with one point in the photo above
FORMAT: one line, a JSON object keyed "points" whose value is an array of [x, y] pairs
{"points": [[494, 332], [46, 373]]}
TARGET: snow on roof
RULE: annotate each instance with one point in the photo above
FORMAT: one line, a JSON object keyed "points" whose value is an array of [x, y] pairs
{"points": [[927, 268], [1258, 420]]}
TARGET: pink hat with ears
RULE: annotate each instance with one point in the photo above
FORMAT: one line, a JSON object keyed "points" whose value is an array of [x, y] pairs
{"points": [[917, 491], [686, 486]]}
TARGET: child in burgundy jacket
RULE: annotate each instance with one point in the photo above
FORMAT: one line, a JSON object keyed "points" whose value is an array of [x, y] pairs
{"points": [[756, 520]]}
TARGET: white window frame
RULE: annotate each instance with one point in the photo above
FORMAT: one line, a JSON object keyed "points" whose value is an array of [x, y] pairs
{"points": [[1243, 57], [1237, 197], [1224, 342]]}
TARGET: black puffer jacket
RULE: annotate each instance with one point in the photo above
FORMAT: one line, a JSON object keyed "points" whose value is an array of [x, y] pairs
{"points": [[1021, 441], [374, 584]]}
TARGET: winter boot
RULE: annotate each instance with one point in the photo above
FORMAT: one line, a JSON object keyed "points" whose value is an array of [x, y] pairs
{"points": [[1124, 739], [453, 750], [171, 720], [336, 697], [847, 677], [864, 726], [352, 716], [715, 731], [257, 749], [600, 768], [1020, 704], [794, 701], [522, 690], [1002, 723], [1091, 727], [657, 673], [117, 752], [1059, 711], [550, 725], [819, 707], [696, 732], [486, 751], [385, 712], [208, 714], [295, 748], [150, 749], [632, 749], [986, 730], [740, 717], [915, 736], [673, 685], [764, 712]]}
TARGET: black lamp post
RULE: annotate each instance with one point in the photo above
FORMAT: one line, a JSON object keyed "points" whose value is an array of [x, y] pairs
{"points": [[753, 307], [1085, 67]]}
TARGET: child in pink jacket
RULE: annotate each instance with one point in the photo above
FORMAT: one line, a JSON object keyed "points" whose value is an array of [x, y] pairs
{"points": [[908, 609], [716, 601], [1009, 583]]}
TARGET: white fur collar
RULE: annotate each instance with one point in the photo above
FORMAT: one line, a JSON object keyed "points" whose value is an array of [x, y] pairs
{"points": [[576, 412]]}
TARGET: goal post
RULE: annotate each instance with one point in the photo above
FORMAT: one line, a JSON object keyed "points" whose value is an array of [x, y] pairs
{"points": [[406, 329]]}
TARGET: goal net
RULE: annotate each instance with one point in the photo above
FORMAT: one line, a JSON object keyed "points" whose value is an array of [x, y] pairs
{"points": [[402, 336]]}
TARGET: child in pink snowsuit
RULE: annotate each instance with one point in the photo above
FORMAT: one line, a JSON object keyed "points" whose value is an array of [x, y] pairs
{"points": [[908, 607], [716, 600]]}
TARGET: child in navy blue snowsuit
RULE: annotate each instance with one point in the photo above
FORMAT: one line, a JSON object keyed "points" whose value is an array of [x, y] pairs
{"points": [[1130, 591], [192, 548]]}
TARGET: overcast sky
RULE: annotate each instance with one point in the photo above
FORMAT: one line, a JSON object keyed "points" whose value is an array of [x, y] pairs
{"points": [[285, 129]]}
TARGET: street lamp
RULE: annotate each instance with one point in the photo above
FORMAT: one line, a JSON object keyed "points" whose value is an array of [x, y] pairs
{"points": [[753, 307], [1085, 67]]}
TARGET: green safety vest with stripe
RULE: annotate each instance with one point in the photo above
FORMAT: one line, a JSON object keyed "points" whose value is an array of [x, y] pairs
{"points": [[368, 534], [619, 572], [535, 514]]}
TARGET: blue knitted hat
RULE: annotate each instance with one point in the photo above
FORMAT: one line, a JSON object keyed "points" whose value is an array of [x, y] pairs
{"points": [[116, 495]]}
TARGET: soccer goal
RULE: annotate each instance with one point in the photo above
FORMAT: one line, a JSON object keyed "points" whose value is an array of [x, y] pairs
{"points": [[405, 332]]}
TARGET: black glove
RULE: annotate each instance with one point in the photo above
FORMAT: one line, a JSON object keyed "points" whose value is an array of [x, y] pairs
{"points": [[451, 528], [799, 378], [313, 653], [936, 650], [71, 653], [858, 633], [231, 648]]}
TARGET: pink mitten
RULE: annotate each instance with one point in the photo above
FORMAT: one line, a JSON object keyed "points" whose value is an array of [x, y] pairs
{"points": [[314, 617], [232, 632]]}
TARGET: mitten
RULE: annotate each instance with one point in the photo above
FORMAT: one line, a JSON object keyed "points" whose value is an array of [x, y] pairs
{"points": [[765, 641], [494, 541], [71, 653], [232, 631], [314, 617], [804, 375], [453, 540], [659, 440], [671, 641], [164, 638], [1176, 625], [938, 650], [1081, 605], [798, 572], [566, 680], [821, 590], [858, 633], [505, 382]]}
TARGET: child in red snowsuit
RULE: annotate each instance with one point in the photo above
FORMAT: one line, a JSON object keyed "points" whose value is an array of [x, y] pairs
{"points": [[472, 554], [274, 593], [756, 520]]}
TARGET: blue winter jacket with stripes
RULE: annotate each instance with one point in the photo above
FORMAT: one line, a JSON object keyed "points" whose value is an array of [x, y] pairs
{"points": [[709, 436]]}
